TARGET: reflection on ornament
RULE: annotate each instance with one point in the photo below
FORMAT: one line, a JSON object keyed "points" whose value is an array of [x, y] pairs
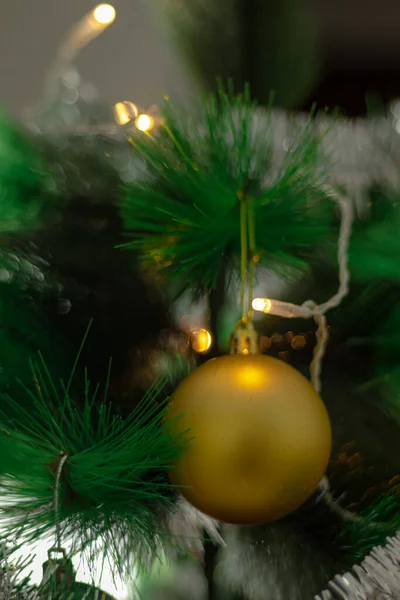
{"points": [[201, 340], [144, 122], [104, 14], [261, 438]]}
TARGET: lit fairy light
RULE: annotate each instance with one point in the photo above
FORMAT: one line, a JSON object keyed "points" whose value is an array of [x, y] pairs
{"points": [[104, 14], [282, 309], [262, 304], [80, 35], [201, 340], [144, 122], [125, 112]]}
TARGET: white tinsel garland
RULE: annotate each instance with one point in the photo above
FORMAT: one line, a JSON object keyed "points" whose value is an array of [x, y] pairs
{"points": [[187, 526], [377, 578]]}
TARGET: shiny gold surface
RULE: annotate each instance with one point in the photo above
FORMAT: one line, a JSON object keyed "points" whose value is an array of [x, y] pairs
{"points": [[261, 438]]}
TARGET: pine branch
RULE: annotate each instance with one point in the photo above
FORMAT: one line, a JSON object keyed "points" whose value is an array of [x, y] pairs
{"points": [[184, 213], [114, 490]]}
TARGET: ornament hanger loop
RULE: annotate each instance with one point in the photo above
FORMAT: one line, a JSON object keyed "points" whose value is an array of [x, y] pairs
{"points": [[248, 252], [56, 550], [56, 504]]}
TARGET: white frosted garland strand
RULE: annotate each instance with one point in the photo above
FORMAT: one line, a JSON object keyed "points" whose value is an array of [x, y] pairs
{"points": [[182, 530], [377, 578], [186, 525], [346, 515]]}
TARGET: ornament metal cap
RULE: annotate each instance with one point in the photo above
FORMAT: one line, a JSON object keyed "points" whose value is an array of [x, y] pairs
{"points": [[58, 574], [245, 338]]}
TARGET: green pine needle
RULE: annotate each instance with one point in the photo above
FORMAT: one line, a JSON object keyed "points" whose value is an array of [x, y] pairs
{"points": [[184, 213], [378, 240], [114, 490], [379, 522], [374, 255]]}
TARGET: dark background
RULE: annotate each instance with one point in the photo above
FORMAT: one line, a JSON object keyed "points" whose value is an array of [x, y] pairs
{"points": [[359, 46]]}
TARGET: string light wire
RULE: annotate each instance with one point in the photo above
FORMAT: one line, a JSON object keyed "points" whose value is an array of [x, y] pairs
{"points": [[312, 310], [82, 33]]}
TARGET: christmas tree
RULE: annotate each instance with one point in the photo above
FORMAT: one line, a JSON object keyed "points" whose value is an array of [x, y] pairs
{"points": [[199, 307]]}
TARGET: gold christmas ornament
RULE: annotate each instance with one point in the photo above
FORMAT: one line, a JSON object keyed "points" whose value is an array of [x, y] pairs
{"points": [[261, 438]]}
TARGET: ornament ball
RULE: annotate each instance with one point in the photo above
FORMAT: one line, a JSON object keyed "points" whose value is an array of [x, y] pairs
{"points": [[260, 438]]}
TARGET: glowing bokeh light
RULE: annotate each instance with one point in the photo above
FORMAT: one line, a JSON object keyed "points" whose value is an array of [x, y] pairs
{"points": [[201, 340], [144, 122], [262, 304], [104, 14], [125, 112]]}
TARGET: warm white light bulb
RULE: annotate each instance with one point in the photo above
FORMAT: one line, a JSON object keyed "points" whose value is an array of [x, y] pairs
{"points": [[122, 115], [125, 112], [201, 340], [104, 14], [144, 122], [262, 304]]}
